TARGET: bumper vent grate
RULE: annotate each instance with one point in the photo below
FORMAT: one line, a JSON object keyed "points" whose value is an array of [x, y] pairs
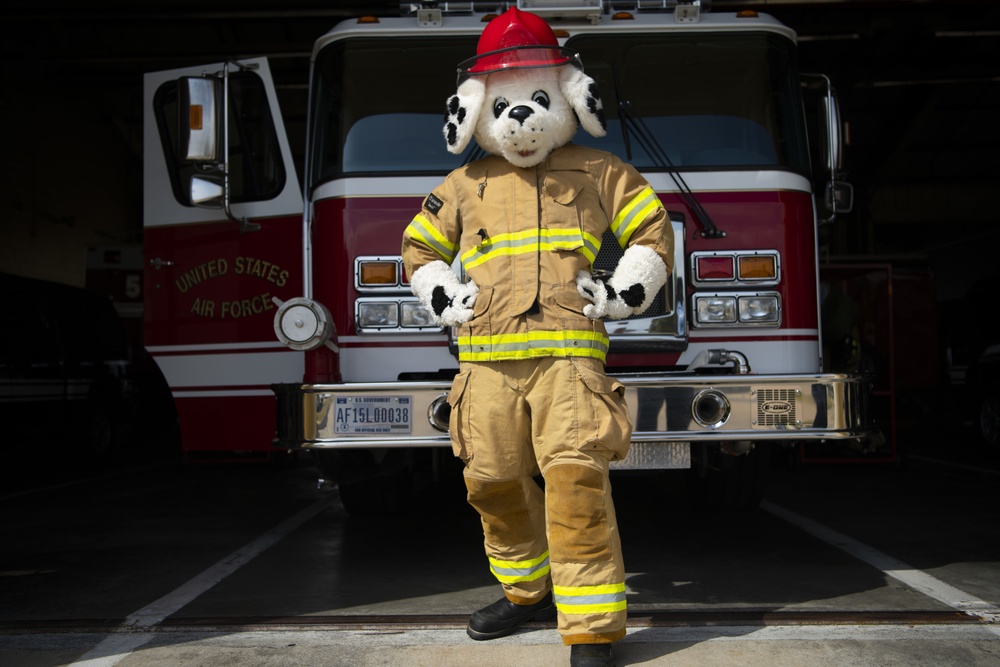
{"points": [[776, 407]]}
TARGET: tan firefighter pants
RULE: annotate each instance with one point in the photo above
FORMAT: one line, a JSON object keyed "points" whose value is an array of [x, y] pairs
{"points": [[563, 418]]}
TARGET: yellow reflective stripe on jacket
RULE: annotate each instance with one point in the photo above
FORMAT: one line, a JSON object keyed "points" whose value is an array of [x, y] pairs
{"points": [[533, 345], [531, 241], [589, 599], [514, 571], [634, 212], [422, 231]]}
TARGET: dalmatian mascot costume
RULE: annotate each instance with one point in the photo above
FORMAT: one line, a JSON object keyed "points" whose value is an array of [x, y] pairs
{"points": [[531, 396]]}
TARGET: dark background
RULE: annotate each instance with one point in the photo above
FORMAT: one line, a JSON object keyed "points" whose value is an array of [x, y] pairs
{"points": [[919, 83]]}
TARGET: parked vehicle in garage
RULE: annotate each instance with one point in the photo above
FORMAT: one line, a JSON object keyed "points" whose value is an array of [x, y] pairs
{"points": [[725, 364], [65, 368]]}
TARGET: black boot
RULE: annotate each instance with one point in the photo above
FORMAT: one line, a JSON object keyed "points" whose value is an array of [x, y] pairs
{"points": [[591, 655], [503, 616]]}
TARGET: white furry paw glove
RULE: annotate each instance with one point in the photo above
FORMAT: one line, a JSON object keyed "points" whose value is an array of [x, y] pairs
{"points": [[439, 289], [603, 300], [637, 279]]}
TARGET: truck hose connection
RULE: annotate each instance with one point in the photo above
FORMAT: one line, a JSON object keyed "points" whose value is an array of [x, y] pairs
{"points": [[741, 366]]}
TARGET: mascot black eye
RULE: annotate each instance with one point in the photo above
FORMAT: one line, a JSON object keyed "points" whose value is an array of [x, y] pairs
{"points": [[499, 104], [541, 99]]}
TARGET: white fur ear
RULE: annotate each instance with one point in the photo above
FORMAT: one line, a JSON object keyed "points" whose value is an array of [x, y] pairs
{"points": [[581, 93], [463, 113]]}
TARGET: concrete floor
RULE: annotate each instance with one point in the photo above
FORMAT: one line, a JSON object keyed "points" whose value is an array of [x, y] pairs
{"points": [[145, 563]]}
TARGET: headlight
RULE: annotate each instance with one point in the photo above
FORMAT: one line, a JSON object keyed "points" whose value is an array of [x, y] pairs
{"points": [[728, 309], [716, 310], [415, 315], [759, 308], [382, 315], [378, 314]]}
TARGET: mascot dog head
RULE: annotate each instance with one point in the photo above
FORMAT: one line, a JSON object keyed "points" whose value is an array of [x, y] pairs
{"points": [[522, 96]]}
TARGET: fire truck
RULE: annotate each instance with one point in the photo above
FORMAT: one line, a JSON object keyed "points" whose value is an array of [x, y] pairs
{"points": [[281, 317]]}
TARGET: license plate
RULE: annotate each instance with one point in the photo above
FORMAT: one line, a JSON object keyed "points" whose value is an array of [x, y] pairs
{"points": [[374, 415]]}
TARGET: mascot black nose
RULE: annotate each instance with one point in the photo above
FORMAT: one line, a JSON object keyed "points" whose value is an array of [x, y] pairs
{"points": [[520, 113]]}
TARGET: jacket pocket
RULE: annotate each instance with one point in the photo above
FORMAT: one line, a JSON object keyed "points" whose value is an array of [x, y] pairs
{"points": [[561, 214], [483, 300], [563, 191], [567, 297]]}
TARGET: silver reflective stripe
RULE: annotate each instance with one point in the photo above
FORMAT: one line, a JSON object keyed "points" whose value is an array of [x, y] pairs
{"points": [[497, 247], [533, 344], [518, 571], [547, 240], [513, 572], [421, 230], [632, 214], [600, 599], [603, 598]]}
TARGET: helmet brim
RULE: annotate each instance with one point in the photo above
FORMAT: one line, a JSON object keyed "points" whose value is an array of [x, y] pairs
{"points": [[517, 57]]}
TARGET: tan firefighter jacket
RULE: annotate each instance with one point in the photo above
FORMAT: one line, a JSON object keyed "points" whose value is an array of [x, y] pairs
{"points": [[522, 235]]}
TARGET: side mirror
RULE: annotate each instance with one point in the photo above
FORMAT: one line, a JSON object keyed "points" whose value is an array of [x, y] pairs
{"points": [[208, 192], [839, 197], [198, 118], [203, 139], [831, 147]]}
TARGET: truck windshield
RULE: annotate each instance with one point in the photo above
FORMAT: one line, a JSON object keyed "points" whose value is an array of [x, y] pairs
{"points": [[379, 105], [711, 100]]}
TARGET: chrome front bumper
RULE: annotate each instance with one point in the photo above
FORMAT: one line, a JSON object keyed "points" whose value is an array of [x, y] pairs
{"points": [[664, 408]]}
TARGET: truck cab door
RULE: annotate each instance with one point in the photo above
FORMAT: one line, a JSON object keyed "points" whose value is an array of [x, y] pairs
{"points": [[210, 284]]}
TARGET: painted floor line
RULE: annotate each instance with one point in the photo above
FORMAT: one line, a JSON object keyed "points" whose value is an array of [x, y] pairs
{"points": [[118, 646], [897, 569]]}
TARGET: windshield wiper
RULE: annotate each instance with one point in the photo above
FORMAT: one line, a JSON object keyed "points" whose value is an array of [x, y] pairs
{"points": [[633, 123]]}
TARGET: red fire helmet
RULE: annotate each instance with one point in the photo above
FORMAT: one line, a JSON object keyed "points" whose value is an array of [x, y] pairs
{"points": [[516, 40]]}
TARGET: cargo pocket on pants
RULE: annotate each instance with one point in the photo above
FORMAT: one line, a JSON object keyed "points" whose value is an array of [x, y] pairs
{"points": [[458, 421], [605, 427]]}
